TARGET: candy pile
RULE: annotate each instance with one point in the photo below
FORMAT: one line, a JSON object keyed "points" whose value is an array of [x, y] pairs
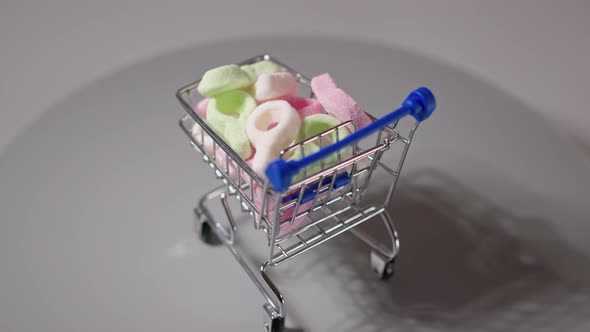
{"points": [[256, 110]]}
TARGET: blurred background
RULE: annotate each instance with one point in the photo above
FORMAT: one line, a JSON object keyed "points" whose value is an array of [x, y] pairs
{"points": [[97, 183], [537, 51]]}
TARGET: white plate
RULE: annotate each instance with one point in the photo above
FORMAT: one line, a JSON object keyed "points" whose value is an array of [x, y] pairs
{"points": [[96, 199]]}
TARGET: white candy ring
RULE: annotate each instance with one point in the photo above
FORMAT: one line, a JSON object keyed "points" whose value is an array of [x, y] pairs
{"points": [[271, 128]]}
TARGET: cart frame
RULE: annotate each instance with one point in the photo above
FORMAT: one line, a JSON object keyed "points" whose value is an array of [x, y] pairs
{"points": [[314, 208]]}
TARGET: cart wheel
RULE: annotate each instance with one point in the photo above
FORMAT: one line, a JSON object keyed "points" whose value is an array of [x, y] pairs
{"points": [[207, 235], [388, 271], [385, 269], [277, 324]]}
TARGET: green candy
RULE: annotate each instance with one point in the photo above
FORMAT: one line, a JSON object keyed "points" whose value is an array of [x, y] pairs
{"points": [[222, 79], [308, 149], [227, 114], [318, 123], [261, 67]]}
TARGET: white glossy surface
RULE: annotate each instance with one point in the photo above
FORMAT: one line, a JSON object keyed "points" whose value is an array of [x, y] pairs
{"points": [[96, 199]]}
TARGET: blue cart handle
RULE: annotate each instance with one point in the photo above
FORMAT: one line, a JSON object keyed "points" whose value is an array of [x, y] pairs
{"points": [[419, 104]]}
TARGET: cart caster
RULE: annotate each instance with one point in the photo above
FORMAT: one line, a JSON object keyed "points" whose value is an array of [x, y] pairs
{"points": [[276, 325], [273, 322], [204, 230], [389, 270], [385, 269], [207, 235]]}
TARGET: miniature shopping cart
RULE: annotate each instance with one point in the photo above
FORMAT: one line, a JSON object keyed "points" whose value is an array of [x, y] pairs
{"points": [[302, 203]]}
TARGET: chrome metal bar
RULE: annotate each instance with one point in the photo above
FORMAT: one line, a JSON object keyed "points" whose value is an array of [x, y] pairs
{"points": [[279, 305], [278, 301], [398, 170], [342, 165], [226, 176], [311, 224], [367, 181], [230, 216], [328, 234], [275, 227], [330, 189], [296, 208], [318, 190], [378, 246]]}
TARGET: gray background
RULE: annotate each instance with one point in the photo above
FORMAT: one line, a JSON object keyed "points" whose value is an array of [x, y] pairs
{"points": [[96, 198], [536, 50]]}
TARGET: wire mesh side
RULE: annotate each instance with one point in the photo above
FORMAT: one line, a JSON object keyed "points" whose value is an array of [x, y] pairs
{"points": [[345, 176]]}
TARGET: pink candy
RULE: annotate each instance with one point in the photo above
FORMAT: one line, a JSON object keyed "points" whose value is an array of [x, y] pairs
{"points": [[232, 167], [201, 108], [304, 106], [337, 102], [287, 213], [323, 82]]}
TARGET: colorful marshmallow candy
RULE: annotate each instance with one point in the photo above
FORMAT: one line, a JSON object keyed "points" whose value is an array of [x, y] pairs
{"points": [[271, 128], [337, 102], [256, 110], [227, 114]]}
